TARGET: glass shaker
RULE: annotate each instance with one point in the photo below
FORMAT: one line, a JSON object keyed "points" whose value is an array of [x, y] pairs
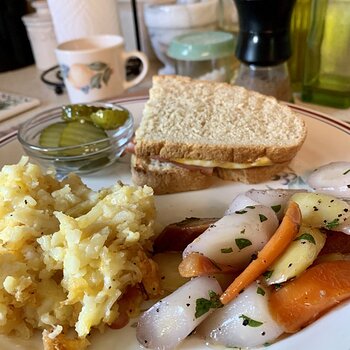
{"points": [[204, 55], [263, 46]]}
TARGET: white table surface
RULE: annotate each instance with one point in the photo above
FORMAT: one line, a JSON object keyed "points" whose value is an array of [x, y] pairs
{"points": [[26, 81]]}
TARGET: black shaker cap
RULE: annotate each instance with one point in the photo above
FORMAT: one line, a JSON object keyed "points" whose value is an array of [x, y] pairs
{"points": [[264, 31]]}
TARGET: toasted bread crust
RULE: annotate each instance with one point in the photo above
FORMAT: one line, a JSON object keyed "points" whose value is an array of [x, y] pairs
{"points": [[203, 120], [170, 179]]}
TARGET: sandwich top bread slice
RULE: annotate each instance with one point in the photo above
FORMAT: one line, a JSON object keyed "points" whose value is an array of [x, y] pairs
{"points": [[191, 128]]}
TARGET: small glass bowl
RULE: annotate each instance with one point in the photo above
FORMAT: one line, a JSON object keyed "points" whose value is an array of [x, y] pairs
{"points": [[88, 157]]}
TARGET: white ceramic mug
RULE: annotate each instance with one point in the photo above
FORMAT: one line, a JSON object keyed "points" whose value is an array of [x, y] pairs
{"points": [[93, 68]]}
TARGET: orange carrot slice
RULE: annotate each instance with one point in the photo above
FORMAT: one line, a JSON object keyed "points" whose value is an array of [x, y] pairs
{"points": [[277, 244], [196, 264], [303, 300]]}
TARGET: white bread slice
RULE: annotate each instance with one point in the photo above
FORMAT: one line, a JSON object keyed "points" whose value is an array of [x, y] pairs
{"points": [[204, 120], [167, 178]]}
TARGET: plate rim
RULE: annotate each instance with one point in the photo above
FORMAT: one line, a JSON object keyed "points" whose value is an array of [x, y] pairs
{"points": [[308, 113]]}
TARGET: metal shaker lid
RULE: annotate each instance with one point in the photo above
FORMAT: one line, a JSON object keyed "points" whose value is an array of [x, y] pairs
{"points": [[264, 31]]}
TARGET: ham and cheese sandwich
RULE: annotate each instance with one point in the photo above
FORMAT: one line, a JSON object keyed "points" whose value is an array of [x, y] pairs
{"points": [[193, 129]]}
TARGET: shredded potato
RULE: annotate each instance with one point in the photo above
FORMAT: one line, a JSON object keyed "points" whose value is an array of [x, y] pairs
{"points": [[67, 253]]}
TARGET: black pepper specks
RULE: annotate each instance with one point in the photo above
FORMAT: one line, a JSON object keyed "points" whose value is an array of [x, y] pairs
{"points": [[188, 304], [245, 322], [263, 333], [290, 264]]}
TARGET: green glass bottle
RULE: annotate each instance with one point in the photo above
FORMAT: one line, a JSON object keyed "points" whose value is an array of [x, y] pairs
{"points": [[299, 27], [327, 58]]}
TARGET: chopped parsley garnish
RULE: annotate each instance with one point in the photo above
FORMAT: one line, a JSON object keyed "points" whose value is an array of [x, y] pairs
{"points": [[242, 243], [262, 217], [267, 274], [250, 207], [306, 237], [226, 250], [247, 321], [332, 224], [240, 211], [204, 305], [243, 231], [260, 291], [276, 208], [277, 286]]}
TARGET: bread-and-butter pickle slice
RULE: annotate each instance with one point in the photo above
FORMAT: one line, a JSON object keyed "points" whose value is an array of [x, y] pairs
{"points": [[78, 112], [50, 136], [109, 119], [76, 133]]}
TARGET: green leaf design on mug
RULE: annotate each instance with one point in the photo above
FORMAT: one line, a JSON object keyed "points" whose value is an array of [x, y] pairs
{"points": [[107, 74], [95, 82], [98, 66], [100, 74]]}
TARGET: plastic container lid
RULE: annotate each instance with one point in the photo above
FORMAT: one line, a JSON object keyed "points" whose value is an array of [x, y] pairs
{"points": [[202, 46], [41, 17]]}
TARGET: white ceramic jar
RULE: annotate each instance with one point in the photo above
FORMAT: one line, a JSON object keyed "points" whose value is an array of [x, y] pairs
{"points": [[41, 35]]}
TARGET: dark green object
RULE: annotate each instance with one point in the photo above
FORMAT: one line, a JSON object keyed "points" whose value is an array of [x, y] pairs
{"points": [[204, 305], [109, 119], [77, 133], [306, 237], [50, 136], [73, 133], [326, 73], [242, 243], [78, 112]]}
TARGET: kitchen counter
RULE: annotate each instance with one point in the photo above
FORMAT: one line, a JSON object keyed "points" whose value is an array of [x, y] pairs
{"points": [[26, 81]]}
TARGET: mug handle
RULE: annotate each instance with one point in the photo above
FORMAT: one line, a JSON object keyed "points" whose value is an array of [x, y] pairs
{"points": [[145, 67]]}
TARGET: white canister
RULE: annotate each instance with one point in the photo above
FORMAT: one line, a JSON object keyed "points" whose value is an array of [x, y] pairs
{"points": [[75, 19], [42, 35]]}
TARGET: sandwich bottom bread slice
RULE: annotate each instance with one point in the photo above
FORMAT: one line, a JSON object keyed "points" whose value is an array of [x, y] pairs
{"points": [[194, 129]]}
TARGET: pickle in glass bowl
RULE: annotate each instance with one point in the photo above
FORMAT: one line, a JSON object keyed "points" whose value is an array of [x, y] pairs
{"points": [[73, 142], [74, 133], [109, 119], [79, 112]]}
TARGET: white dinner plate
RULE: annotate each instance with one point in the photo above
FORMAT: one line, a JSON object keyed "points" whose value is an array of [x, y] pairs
{"points": [[328, 140]]}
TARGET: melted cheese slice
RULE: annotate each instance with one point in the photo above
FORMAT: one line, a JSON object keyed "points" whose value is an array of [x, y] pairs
{"points": [[263, 161]]}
